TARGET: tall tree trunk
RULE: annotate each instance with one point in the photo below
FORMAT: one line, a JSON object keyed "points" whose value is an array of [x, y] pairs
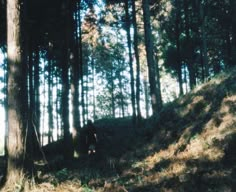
{"points": [[155, 91], [94, 93], [145, 84], [58, 108], [199, 34], [136, 52], [190, 61], [68, 150], [85, 92], [202, 64], [233, 30], [75, 79], [120, 84], [32, 98], [122, 100], [81, 64], [112, 93], [44, 109], [203, 19], [18, 149], [177, 39], [37, 97], [130, 61], [50, 105], [65, 107]]}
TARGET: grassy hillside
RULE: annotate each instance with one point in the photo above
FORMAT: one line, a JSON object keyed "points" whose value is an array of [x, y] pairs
{"points": [[194, 145], [189, 147]]}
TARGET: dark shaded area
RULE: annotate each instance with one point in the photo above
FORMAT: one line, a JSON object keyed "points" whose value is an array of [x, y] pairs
{"points": [[3, 166], [202, 175], [230, 152], [162, 165], [3, 23], [120, 148]]}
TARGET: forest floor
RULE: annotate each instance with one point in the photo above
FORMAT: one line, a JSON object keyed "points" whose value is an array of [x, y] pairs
{"points": [[189, 147]]}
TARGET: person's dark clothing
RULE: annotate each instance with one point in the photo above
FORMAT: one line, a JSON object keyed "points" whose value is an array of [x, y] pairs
{"points": [[91, 139], [91, 132]]}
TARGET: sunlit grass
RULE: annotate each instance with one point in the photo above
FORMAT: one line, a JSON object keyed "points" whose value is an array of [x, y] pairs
{"points": [[190, 153], [186, 149]]}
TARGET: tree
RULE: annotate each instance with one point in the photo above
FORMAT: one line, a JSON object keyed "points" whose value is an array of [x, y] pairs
{"points": [[81, 62], [2, 23], [34, 108], [128, 23], [75, 78], [233, 30], [190, 45], [68, 150], [136, 52], [18, 146], [153, 70], [177, 39], [203, 19], [50, 99]]}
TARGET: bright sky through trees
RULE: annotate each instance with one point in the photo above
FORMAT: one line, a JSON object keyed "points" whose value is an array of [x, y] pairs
{"points": [[168, 84]]}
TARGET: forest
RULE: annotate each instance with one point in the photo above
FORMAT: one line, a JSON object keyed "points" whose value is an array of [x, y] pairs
{"points": [[155, 78]]}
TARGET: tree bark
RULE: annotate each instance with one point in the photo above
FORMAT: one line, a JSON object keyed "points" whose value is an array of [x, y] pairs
{"points": [[153, 69], [33, 88], [203, 20], [130, 61], [94, 92], [233, 30], [190, 60], [37, 98], [81, 65], [50, 99], [136, 52], [177, 39], [68, 149], [18, 149], [120, 84], [75, 78], [145, 84]]}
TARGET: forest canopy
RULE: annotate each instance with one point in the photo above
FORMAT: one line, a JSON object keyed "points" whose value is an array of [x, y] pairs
{"points": [[105, 42]]}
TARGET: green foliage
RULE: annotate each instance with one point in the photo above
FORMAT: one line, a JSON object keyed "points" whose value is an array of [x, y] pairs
{"points": [[184, 23], [103, 103]]}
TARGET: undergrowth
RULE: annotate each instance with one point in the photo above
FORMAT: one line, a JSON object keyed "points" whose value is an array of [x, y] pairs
{"points": [[189, 146]]}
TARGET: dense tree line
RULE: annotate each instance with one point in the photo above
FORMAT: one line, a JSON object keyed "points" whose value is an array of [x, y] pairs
{"points": [[104, 59], [197, 36]]}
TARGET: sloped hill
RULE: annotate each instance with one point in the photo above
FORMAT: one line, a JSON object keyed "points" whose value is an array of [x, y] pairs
{"points": [[194, 145], [190, 148]]}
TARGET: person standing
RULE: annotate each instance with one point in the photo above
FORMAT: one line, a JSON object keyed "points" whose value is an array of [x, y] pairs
{"points": [[91, 138]]}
